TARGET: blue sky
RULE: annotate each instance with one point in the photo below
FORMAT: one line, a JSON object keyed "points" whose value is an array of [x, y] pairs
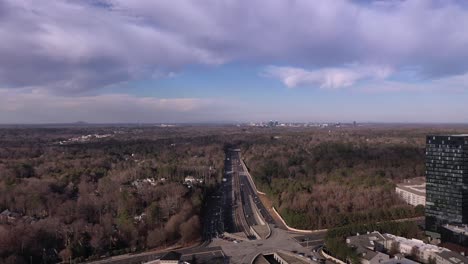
{"points": [[228, 60]]}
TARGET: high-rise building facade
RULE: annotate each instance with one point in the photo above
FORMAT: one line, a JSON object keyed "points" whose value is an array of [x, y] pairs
{"points": [[446, 180]]}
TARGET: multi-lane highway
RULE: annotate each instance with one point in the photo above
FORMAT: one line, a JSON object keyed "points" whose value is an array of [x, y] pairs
{"points": [[247, 194], [249, 211], [241, 213], [232, 207], [242, 209], [218, 209], [213, 211], [251, 194]]}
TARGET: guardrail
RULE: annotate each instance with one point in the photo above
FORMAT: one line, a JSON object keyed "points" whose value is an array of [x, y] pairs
{"points": [[269, 231], [250, 177]]}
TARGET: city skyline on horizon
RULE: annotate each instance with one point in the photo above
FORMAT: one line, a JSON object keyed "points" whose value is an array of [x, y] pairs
{"points": [[114, 61]]}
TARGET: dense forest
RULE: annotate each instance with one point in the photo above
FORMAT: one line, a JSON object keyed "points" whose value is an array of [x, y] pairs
{"points": [[87, 198], [81, 193], [335, 177]]}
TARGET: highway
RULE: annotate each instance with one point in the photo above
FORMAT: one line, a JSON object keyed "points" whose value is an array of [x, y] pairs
{"points": [[229, 208], [233, 207], [241, 213], [244, 217], [247, 192], [218, 208], [213, 222]]}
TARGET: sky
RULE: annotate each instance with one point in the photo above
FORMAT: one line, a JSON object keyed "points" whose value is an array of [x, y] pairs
{"points": [[152, 61]]}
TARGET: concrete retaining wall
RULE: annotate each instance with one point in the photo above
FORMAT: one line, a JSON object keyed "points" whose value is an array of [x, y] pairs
{"points": [[294, 229], [331, 258], [257, 235]]}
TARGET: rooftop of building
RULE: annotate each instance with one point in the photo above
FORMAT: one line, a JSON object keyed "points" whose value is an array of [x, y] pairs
{"points": [[400, 261], [416, 181], [415, 185], [368, 254], [416, 243], [453, 257], [460, 229], [366, 240], [365, 246], [449, 135]]}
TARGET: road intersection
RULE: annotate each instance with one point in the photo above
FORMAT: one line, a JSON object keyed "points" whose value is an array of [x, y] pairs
{"points": [[235, 208], [248, 209]]}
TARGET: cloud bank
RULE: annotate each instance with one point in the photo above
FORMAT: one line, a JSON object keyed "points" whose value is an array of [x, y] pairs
{"points": [[327, 77], [60, 56], [75, 46], [40, 107]]}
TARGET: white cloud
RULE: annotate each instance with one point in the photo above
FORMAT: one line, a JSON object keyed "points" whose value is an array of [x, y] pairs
{"points": [[75, 46], [71, 47], [373, 79], [327, 77], [453, 84]]}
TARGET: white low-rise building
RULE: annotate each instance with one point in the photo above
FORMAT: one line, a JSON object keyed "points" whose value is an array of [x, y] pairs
{"points": [[374, 247], [413, 191], [408, 247]]}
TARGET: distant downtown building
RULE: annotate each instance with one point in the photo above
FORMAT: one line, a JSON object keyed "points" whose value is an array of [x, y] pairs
{"points": [[413, 191], [446, 181]]}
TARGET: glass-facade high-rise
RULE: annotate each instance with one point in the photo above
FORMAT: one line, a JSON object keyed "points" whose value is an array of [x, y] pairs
{"points": [[446, 180]]}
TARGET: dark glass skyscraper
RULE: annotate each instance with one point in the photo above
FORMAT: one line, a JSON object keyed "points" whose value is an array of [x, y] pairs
{"points": [[446, 180]]}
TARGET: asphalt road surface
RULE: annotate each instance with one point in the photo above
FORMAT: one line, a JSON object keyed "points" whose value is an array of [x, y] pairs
{"points": [[219, 215], [248, 191]]}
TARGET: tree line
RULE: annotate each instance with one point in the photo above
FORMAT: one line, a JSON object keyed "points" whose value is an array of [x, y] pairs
{"points": [[321, 180], [79, 201]]}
